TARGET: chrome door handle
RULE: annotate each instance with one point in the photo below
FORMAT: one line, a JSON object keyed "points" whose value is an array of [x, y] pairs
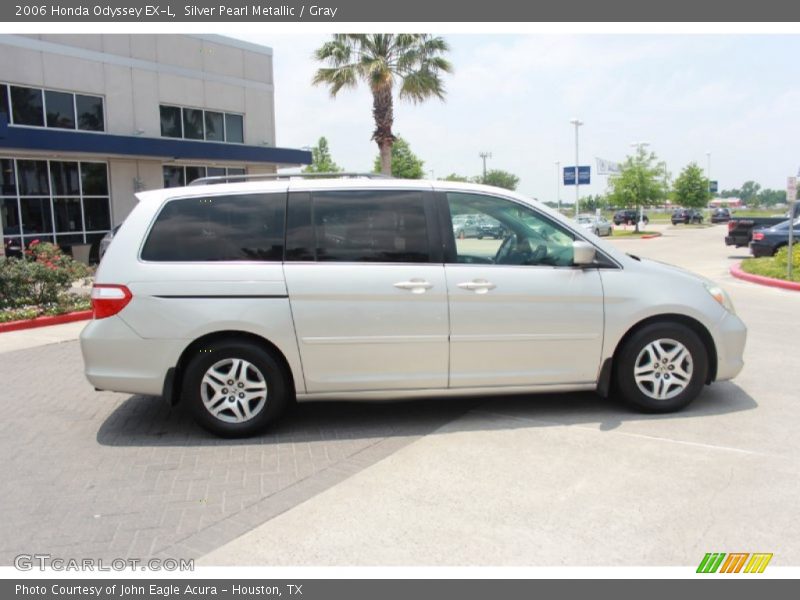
{"points": [[416, 286], [479, 286]]}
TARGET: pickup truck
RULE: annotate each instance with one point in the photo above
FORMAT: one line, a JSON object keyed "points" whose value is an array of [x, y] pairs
{"points": [[740, 230]]}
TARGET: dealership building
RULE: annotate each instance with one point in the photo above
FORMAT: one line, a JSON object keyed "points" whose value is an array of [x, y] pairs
{"points": [[86, 121]]}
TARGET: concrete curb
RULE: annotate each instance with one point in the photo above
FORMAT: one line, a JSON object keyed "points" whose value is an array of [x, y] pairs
{"points": [[80, 315], [648, 236], [736, 271]]}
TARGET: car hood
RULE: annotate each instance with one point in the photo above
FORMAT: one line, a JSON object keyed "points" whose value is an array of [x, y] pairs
{"points": [[672, 271]]}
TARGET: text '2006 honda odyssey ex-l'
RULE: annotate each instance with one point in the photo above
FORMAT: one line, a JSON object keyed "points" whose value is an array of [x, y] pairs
{"points": [[237, 297]]}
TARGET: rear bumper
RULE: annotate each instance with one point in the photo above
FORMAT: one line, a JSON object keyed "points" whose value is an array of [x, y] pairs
{"points": [[759, 250], [118, 360], [730, 337], [736, 241]]}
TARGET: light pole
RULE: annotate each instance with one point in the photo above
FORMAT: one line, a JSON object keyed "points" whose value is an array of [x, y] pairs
{"points": [[558, 186], [577, 122], [639, 147], [484, 156]]}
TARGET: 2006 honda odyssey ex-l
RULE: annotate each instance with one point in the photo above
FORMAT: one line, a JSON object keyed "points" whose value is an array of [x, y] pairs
{"points": [[237, 297]]}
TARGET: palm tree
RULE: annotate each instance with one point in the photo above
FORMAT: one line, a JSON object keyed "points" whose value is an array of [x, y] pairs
{"points": [[414, 61]]}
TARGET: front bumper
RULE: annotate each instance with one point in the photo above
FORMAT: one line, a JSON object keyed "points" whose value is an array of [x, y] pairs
{"points": [[730, 337]]}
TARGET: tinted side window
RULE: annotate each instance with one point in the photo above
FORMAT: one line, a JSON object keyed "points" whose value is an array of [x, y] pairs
{"points": [[370, 226], [244, 227]]}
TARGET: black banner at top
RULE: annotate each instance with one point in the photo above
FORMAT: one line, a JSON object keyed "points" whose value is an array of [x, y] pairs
{"points": [[340, 11]]}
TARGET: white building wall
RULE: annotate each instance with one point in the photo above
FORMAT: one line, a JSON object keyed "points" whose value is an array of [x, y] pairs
{"points": [[139, 72]]}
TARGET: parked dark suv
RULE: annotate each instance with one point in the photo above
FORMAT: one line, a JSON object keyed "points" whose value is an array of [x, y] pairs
{"points": [[686, 216], [721, 215], [628, 216]]}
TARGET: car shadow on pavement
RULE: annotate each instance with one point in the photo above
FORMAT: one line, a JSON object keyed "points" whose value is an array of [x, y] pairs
{"points": [[148, 421]]}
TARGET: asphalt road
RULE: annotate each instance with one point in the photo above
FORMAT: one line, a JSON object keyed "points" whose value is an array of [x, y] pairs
{"points": [[565, 479]]}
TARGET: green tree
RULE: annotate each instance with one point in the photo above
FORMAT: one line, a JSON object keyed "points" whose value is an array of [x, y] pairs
{"points": [[691, 187], [640, 181], [414, 62], [770, 197], [502, 179], [404, 164], [456, 177], [749, 193], [592, 203], [321, 160]]}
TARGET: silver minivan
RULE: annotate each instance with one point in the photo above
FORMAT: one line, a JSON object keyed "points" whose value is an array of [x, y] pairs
{"points": [[238, 297]]}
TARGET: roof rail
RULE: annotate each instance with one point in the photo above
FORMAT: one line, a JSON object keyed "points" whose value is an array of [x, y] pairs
{"points": [[276, 176]]}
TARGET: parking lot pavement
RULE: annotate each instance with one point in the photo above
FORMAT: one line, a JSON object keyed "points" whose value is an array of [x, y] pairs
{"points": [[89, 474], [556, 479], [574, 480]]}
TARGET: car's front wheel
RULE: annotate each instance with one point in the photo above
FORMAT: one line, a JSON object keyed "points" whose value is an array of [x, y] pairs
{"points": [[662, 367], [235, 388]]}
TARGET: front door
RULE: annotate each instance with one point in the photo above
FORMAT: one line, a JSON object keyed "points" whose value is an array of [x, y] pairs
{"points": [[367, 290], [520, 313]]}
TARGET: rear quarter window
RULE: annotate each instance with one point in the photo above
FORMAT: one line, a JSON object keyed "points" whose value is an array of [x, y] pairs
{"points": [[246, 227]]}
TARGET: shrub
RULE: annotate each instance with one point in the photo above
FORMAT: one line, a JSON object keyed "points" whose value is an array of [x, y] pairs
{"points": [[782, 256], [40, 278]]}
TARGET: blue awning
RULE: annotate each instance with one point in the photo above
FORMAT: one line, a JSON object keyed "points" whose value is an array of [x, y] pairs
{"points": [[106, 144]]}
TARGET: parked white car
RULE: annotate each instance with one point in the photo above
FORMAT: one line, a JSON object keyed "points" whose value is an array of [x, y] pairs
{"points": [[598, 225], [237, 298]]}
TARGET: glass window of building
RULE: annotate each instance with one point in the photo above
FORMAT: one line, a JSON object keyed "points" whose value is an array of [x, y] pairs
{"points": [[192, 124], [178, 175], [215, 126], [32, 178], [60, 109], [171, 121], [94, 179], [65, 202], [234, 128], [174, 176], [27, 106], [4, 101], [90, 112], [8, 180], [64, 178]]}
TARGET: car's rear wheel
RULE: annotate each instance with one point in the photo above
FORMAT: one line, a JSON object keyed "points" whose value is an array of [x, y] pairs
{"points": [[662, 367], [235, 388]]}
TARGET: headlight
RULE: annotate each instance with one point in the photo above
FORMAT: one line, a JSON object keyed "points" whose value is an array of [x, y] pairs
{"points": [[720, 296]]}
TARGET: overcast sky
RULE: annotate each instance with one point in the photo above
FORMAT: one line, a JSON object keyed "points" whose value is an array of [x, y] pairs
{"points": [[735, 96]]}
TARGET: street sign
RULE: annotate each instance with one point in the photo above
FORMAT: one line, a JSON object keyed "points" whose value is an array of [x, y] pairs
{"points": [[713, 186], [584, 175], [791, 189]]}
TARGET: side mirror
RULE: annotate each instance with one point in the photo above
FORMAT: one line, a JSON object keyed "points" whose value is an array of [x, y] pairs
{"points": [[583, 253]]}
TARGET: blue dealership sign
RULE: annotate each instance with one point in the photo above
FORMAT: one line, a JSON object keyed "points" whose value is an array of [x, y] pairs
{"points": [[713, 186], [584, 175]]}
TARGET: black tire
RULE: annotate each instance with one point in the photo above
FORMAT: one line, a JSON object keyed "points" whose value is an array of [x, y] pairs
{"points": [[262, 362], [634, 350], [597, 232]]}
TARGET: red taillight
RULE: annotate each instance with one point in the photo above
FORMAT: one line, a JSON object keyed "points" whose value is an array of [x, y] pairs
{"points": [[108, 299], [731, 225], [758, 237]]}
